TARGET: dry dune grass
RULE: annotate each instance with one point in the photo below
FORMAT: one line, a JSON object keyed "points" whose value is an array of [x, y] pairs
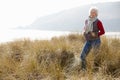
{"points": [[58, 59]]}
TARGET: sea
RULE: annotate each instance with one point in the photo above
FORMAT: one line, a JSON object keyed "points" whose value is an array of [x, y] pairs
{"points": [[8, 35]]}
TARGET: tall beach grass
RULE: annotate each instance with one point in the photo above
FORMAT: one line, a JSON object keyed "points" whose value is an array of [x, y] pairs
{"points": [[58, 59]]}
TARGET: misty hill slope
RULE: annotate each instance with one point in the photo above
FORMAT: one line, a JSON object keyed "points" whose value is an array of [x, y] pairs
{"points": [[73, 19]]}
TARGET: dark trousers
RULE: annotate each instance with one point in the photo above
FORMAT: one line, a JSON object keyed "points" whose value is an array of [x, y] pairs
{"points": [[86, 49]]}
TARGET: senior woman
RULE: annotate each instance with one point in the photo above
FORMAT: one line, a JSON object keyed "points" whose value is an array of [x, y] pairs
{"points": [[92, 31]]}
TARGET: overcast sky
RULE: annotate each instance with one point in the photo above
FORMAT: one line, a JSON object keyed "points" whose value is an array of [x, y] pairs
{"points": [[14, 13]]}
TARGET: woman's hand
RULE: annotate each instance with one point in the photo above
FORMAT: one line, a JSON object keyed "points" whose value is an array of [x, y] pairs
{"points": [[93, 34]]}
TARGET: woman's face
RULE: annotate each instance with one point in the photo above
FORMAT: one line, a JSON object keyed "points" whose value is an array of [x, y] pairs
{"points": [[93, 14]]}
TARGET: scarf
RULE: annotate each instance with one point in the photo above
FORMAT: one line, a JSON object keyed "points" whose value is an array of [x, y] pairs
{"points": [[89, 24]]}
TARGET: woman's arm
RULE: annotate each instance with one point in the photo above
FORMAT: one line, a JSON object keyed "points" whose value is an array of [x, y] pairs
{"points": [[101, 28]]}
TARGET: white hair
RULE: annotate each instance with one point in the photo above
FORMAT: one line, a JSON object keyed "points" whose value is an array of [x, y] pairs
{"points": [[95, 9]]}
